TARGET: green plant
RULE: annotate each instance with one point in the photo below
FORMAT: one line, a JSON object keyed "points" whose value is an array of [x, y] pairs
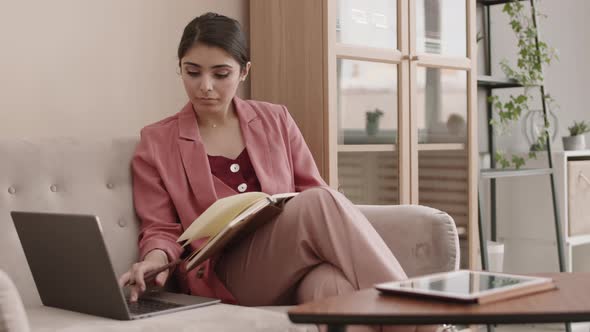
{"points": [[532, 55], [373, 116], [579, 128]]}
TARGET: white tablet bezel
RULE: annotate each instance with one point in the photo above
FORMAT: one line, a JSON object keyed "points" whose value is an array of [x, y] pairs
{"points": [[394, 286]]}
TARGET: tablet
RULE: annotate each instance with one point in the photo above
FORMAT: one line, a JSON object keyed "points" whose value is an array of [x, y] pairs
{"points": [[468, 286]]}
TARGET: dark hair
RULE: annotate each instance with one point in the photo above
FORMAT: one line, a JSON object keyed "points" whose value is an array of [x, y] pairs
{"points": [[216, 30]]}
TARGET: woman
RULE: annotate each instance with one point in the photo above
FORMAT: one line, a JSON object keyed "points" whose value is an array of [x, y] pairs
{"points": [[219, 145]]}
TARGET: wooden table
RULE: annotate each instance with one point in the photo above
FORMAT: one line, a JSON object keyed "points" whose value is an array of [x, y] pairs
{"points": [[570, 302]]}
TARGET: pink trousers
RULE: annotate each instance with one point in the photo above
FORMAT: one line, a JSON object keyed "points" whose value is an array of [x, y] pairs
{"points": [[320, 245]]}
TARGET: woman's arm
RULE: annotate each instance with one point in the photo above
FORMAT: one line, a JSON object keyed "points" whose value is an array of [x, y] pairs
{"points": [[305, 171], [159, 221], [159, 228]]}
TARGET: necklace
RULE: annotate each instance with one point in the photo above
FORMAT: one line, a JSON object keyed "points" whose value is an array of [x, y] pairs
{"points": [[210, 125]]}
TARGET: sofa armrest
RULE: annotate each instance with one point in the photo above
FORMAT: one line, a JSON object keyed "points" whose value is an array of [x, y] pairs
{"points": [[423, 239], [12, 312]]}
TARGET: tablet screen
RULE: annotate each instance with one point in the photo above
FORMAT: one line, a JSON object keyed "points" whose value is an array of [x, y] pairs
{"points": [[467, 285], [463, 282]]}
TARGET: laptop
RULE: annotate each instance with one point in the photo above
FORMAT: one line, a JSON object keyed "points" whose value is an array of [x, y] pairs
{"points": [[72, 269]]}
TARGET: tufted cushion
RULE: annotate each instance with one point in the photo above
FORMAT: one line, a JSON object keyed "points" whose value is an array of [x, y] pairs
{"points": [[65, 175]]}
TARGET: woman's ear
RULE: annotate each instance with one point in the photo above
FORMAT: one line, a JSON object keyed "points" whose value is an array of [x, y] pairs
{"points": [[245, 71]]}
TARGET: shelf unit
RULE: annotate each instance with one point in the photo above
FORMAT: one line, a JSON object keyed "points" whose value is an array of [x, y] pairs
{"points": [[489, 82]]}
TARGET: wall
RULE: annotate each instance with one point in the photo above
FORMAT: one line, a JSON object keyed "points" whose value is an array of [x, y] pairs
{"points": [[94, 68], [524, 204]]}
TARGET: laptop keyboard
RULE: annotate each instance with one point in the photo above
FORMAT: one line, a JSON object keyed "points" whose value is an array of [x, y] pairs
{"points": [[144, 306]]}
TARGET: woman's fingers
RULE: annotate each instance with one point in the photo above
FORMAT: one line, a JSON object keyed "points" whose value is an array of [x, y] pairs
{"points": [[161, 278], [134, 293], [123, 279], [137, 282], [138, 272], [135, 277]]}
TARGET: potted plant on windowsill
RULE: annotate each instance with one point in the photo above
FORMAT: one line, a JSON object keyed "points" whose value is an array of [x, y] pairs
{"points": [[372, 121], [576, 140]]}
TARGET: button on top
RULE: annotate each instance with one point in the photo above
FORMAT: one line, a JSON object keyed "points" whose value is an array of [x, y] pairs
{"points": [[110, 185], [234, 168], [53, 188], [242, 187], [11, 190], [122, 222]]}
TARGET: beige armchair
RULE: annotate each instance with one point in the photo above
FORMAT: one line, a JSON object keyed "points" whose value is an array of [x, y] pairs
{"points": [[12, 313], [93, 177]]}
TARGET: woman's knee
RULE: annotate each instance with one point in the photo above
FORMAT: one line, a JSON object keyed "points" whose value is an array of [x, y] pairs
{"points": [[322, 281], [317, 193], [322, 206], [317, 200]]}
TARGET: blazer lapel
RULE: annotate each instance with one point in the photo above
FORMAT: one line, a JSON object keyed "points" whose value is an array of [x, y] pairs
{"points": [[257, 143], [194, 158]]}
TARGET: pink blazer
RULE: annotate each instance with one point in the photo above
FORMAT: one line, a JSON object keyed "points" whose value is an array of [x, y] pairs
{"points": [[173, 184]]}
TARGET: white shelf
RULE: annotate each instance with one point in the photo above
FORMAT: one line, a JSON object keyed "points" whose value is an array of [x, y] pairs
{"points": [[493, 173], [578, 240], [577, 153]]}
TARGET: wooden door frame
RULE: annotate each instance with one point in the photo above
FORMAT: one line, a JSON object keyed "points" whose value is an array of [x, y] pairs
{"points": [[468, 64]]}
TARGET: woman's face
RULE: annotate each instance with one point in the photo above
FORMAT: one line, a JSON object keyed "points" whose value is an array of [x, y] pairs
{"points": [[211, 77]]}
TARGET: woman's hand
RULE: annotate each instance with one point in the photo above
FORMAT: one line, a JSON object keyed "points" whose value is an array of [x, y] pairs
{"points": [[135, 276]]}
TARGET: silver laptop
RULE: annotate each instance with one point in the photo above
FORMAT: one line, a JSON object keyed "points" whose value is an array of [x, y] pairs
{"points": [[72, 269]]}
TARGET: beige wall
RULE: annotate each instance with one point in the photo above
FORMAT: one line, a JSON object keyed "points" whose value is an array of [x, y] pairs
{"points": [[94, 68]]}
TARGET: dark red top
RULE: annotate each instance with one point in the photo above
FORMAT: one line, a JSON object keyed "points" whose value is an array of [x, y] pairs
{"points": [[238, 174]]}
